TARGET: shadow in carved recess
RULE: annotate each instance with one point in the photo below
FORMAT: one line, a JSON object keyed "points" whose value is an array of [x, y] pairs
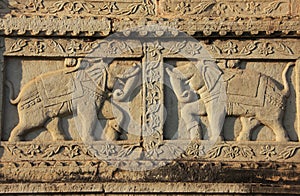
{"points": [[79, 89], [252, 96], [4, 8]]}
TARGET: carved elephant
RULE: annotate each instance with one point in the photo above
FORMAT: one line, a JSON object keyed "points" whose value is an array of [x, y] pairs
{"points": [[250, 95], [79, 90]]}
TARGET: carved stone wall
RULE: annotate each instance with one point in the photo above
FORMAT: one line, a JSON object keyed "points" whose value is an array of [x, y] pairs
{"points": [[150, 96]]}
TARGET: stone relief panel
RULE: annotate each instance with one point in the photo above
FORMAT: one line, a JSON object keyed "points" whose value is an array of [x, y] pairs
{"points": [[119, 91], [165, 78], [63, 89]]}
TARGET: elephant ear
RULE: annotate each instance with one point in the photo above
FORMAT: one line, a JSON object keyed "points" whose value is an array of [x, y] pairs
{"points": [[211, 74], [98, 74]]}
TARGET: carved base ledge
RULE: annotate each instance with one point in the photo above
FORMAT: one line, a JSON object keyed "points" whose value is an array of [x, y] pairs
{"points": [[172, 161], [146, 188]]}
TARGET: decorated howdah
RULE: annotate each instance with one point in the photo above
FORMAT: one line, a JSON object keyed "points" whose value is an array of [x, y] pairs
{"points": [[138, 96]]}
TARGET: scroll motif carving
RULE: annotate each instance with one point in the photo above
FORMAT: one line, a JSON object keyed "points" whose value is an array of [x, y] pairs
{"points": [[259, 48], [92, 8], [225, 9], [59, 47]]}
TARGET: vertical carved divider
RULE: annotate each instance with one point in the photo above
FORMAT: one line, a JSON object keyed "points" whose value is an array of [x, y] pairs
{"points": [[298, 96], [2, 48], [152, 77]]}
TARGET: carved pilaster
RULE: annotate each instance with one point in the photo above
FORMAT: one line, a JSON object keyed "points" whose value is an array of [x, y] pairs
{"points": [[153, 90]]}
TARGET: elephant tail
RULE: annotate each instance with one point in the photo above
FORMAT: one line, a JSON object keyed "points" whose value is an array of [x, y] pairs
{"points": [[286, 89], [11, 93]]}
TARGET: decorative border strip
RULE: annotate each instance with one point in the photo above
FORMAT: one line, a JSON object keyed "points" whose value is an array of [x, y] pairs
{"points": [[220, 26], [165, 150], [51, 25], [220, 49], [75, 47], [84, 8], [258, 49], [91, 26], [227, 8]]}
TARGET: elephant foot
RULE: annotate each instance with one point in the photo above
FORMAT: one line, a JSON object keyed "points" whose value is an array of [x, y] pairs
{"points": [[111, 134], [282, 139], [218, 138], [195, 133], [14, 139], [59, 137], [242, 137], [88, 138]]}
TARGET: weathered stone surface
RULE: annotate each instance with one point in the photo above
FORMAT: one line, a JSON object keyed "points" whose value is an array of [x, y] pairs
{"points": [[143, 96]]}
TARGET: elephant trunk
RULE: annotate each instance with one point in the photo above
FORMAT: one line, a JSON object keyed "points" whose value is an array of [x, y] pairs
{"points": [[183, 95], [286, 89], [129, 86], [11, 94]]}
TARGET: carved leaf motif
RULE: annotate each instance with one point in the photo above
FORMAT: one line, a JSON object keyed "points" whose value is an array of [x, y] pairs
{"points": [[127, 150], [272, 7], [231, 151], [90, 151], [57, 6], [175, 150], [177, 47], [124, 47], [215, 49], [51, 150], [131, 9], [268, 151], [285, 48], [215, 151], [33, 150], [288, 152], [18, 45], [57, 46], [247, 152], [154, 150], [108, 149], [72, 151], [201, 7], [195, 150], [89, 47], [249, 48], [14, 150]]}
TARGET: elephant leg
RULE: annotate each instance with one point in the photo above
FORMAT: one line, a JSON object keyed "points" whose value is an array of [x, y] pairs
{"points": [[54, 128], [115, 118], [216, 112], [280, 133], [87, 114], [189, 114], [18, 132], [27, 121], [247, 125], [111, 133]]}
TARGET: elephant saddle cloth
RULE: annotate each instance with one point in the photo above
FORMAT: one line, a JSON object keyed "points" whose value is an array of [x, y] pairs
{"points": [[245, 87], [58, 87]]}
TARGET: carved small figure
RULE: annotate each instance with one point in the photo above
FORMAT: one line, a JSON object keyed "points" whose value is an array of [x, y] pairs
{"points": [[250, 95]]}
